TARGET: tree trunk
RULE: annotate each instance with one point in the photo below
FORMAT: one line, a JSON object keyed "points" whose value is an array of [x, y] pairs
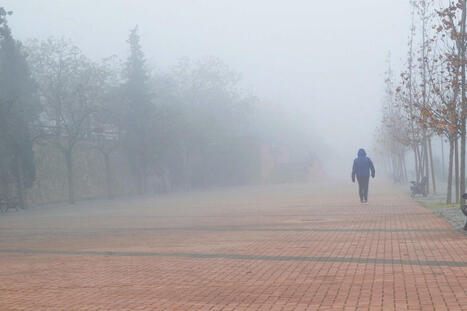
{"points": [[19, 181], [142, 173], [425, 154], [456, 167], [464, 104], [424, 19], [462, 177], [432, 167], [442, 158], [3, 185], [451, 157], [69, 174], [420, 164], [406, 178], [401, 161], [108, 175], [144, 176], [417, 174], [167, 183]]}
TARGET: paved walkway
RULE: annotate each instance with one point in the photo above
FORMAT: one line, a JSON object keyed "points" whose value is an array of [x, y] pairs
{"points": [[275, 248]]}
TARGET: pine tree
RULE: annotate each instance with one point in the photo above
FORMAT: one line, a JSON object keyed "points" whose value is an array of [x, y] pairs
{"points": [[18, 108], [137, 112]]}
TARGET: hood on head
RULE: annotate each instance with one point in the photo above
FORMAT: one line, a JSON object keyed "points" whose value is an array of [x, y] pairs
{"points": [[361, 153]]}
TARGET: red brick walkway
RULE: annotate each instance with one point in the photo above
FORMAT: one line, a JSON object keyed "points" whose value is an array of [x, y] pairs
{"points": [[276, 248]]}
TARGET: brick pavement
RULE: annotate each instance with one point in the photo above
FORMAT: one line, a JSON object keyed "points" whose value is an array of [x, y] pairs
{"points": [[265, 248]]}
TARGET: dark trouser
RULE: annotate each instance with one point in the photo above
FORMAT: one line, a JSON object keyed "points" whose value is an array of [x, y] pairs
{"points": [[363, 182]]}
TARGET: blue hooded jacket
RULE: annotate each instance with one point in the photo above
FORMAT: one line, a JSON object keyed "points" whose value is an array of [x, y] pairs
{"points": [[362, 166]]}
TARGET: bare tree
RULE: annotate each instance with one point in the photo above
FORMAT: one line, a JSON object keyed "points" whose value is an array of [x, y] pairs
{"points": [[70, 87]]}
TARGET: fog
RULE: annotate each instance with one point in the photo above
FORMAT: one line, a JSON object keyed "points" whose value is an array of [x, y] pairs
{"points": [[207, 154], [323, 60], [124, 98]]}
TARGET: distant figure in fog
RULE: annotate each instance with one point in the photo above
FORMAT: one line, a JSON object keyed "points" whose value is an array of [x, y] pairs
{"points": [[362, 166]]}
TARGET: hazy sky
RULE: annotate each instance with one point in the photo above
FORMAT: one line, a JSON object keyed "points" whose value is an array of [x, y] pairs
{"points": [[323, 58]]}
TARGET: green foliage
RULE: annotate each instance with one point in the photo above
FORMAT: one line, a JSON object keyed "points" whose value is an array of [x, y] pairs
{"points": [[137, 112], [189, 128], [214, 140], [19, 107]]}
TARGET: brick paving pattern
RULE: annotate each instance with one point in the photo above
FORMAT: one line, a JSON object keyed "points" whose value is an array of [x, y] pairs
{"points": [[267, 248]]}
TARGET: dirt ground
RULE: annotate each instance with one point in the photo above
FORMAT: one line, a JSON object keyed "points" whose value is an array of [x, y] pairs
{"points": [[284, 247]]}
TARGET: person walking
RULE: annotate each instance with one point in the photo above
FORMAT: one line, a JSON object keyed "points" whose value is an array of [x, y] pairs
{"points": [[362, 167]]}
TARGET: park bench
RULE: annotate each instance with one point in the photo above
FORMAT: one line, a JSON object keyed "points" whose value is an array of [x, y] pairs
{"points": [[464, 207], [6, 204], [419, 187]]}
